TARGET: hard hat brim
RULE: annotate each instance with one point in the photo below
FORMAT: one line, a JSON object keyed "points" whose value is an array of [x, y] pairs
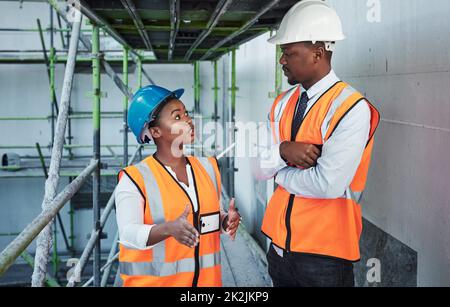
{"points": [[309, 21], [279, 41], [176, 93]]}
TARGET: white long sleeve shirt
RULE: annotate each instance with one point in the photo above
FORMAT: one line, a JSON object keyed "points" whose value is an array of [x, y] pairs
{"points": [[133, 233], [337, 165]]}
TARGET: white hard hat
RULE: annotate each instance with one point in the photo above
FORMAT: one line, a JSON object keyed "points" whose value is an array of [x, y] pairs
{"points": [[309, 21]]}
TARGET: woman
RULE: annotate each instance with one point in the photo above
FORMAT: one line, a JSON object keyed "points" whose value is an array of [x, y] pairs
{"points": [[168, 205]]}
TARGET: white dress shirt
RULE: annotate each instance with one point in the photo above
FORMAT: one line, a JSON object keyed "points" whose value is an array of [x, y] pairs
{"points": [[133, 233], [340, 158]]}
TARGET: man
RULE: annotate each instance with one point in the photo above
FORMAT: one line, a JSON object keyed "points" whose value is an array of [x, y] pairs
{"points": [[322, 138]]}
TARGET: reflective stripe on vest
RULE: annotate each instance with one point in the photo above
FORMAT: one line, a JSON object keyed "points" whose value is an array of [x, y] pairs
{"points": [[340, 99], [155, 204], [160, 260], [278, 112], [210, 170], [151, 187], [292, 222], [343, 96], [161, 269], [335, 105], [355, 196]]}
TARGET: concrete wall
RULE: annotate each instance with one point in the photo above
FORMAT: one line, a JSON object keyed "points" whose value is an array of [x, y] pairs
{"points": [[402, 64]]}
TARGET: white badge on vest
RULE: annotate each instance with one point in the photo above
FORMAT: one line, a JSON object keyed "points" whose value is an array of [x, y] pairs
{"points": [[209, 223]]}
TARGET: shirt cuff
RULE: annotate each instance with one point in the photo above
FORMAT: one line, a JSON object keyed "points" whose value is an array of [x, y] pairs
{"points": [[273, 161], [141, 238], [279, 178], [281, 163], [223, 215]]}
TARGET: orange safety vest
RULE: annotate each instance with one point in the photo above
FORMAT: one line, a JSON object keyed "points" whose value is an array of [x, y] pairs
{"points": [[329, 227], [170, 263]]}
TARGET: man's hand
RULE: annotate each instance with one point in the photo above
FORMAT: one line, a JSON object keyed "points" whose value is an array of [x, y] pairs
{"points": [[300, 154], [232, 220], [183, 231]]}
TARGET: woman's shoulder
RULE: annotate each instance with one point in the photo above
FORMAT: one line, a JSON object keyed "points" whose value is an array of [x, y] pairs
{"points": [[127, 186], [204, 159]]}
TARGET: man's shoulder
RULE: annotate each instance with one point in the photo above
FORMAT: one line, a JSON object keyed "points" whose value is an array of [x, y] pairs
{"points": [[287, 93]]}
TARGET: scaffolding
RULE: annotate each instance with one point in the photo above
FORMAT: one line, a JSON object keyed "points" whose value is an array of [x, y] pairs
{"points": [[42, 227]]}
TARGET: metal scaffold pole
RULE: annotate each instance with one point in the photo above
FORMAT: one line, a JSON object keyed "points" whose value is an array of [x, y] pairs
{"points": [[44, 240], [197, 87], [95, 235], [112, 253], [139, 71], [278, 72], [233, 90], [36, 227], [139, 79], [96, 146], [85, 41], [52, 90], [125, 108], [216, 102], [55, 260]]}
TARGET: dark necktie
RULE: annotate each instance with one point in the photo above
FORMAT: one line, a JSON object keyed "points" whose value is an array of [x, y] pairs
{"points": [[299, 114]]}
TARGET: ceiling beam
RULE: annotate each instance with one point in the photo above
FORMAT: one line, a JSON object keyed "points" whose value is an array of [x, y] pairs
{"points": [[220, 9], [185, 27], [131, 9], [174, 25], [244, 28], [93, 17]]}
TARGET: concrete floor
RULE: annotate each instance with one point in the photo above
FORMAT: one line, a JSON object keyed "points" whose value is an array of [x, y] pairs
{"points": [[243, 262], [243, 265]]}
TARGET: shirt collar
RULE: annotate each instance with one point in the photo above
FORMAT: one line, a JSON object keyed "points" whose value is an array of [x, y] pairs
{"points": [[189, 174], [322, 85]]}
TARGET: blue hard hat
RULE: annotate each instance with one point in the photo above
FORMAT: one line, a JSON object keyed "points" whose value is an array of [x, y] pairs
{"points": [[144, 103]]}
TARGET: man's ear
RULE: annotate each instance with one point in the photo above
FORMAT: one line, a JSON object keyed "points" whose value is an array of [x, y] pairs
{"points": [[319, 54]]}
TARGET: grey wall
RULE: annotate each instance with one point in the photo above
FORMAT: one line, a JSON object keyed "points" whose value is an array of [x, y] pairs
{"points": [[402, 64]]}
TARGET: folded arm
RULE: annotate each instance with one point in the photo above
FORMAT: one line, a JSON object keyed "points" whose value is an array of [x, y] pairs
{"points": [[339, 160], [268, 161]]}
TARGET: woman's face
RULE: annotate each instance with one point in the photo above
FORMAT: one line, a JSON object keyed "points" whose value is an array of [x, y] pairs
{"points": [[174, 124]]}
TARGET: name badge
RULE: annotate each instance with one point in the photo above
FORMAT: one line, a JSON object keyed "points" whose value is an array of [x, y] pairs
{"points": [[209, 223]]}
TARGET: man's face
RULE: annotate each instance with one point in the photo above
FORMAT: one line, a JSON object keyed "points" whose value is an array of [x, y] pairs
{"points": [[298, 62]]}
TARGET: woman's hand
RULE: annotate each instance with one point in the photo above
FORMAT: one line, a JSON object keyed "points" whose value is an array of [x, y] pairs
{"points": [[183, 231], [232, 220]]}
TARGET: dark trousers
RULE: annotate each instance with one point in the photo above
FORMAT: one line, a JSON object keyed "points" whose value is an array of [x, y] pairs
{"points": [[305, 270]]}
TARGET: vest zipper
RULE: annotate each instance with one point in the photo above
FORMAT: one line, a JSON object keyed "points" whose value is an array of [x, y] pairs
{"points": [[195, 218], [196, 226], [292, 196], [196, 251], [288, 222]]}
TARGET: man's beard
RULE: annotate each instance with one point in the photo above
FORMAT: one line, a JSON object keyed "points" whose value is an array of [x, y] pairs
{"points": [[293, 81]]}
